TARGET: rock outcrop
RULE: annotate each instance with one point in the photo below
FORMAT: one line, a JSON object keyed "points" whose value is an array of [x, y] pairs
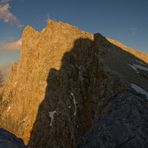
{"points": [[121, 123], [70, 84]]}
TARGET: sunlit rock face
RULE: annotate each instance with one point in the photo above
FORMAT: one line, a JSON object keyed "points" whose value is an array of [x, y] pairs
{"points": [[65, 81], [26, 87]]}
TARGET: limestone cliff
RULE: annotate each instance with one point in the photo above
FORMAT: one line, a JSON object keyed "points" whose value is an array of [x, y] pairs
{"points": [[64, 81]]}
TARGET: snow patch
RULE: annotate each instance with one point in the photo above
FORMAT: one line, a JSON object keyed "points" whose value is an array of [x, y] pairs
{"points": [[136, 67], [141, 67], [133, 67], [51, 115], [74, 102], [139, 90]]}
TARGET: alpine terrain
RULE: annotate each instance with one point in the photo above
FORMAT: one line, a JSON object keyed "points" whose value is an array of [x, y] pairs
{"points": [[74, 89]]}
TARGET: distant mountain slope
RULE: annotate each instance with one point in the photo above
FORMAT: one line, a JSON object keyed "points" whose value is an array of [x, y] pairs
{"points": [[68, 82], [1, 78], [4, 72]]}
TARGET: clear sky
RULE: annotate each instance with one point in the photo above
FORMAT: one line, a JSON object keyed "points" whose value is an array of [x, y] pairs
{"points": [[123, 20]]}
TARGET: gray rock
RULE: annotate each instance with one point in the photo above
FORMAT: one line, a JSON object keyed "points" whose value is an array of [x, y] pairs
{"points": [[122, 123]]}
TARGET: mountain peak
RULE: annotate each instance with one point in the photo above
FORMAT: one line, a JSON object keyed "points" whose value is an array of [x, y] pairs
{"points": [[64, 85]]}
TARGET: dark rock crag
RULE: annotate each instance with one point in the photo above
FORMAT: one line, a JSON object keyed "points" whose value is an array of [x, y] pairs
{"points": [[120, 123]]}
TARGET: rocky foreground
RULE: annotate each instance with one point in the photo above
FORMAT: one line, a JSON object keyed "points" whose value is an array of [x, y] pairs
{"points": [[75, 89]]}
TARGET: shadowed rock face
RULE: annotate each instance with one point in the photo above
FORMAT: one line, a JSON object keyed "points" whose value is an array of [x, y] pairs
{"points": [[121, 123], [72, 95], [8, 140], [70, 84]]}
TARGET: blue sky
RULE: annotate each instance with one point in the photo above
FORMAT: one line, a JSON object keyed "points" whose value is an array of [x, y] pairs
{"points": [[123, 20]]}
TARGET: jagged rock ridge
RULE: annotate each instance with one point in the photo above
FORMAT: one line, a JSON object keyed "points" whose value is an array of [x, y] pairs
{"points": [[67, 79]]}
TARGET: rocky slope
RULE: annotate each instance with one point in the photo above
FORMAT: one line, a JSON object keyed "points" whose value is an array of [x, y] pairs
{"points": [[122, 122], [70, 84]]}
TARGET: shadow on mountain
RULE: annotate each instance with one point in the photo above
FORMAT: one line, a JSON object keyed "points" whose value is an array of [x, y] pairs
{"points": [[74, 92]]}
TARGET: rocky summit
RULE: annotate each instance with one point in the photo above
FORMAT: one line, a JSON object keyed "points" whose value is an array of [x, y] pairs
{"points": [[76, 89]]}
